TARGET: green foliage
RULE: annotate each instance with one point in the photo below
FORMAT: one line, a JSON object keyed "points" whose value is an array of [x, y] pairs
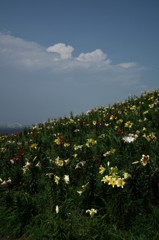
{"points": [[92, 176]]}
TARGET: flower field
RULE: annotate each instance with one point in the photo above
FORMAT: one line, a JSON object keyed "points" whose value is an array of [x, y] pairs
{"points": [[91, 176]]}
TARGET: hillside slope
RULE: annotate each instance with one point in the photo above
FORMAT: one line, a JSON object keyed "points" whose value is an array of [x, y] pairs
{"points": [[96, 174]]}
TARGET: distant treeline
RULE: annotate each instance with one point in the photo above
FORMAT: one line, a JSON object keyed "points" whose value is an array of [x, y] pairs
{"points": [[8, 131]]}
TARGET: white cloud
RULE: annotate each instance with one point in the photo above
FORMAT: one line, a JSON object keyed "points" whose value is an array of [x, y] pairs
{"points": [[65, 51], [18, 52], [35, 86], [127, 65], [95, 56]]}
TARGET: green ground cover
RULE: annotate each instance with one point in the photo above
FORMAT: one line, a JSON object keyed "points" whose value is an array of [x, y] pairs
{"points": [[86, 177]]}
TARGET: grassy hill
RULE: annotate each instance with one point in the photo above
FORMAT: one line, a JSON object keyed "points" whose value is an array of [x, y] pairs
{"points": [[92, 176]]}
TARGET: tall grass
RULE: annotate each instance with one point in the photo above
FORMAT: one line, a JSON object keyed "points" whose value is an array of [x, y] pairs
{"points": [[91, 176]]}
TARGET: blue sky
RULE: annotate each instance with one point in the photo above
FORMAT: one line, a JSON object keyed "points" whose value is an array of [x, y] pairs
{"points": [[62, 56]]}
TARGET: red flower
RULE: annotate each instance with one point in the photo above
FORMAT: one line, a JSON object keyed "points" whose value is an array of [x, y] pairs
{"points": [[21, 154], [15, 135], [14, 160], [120, 132], [61, 137]]}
